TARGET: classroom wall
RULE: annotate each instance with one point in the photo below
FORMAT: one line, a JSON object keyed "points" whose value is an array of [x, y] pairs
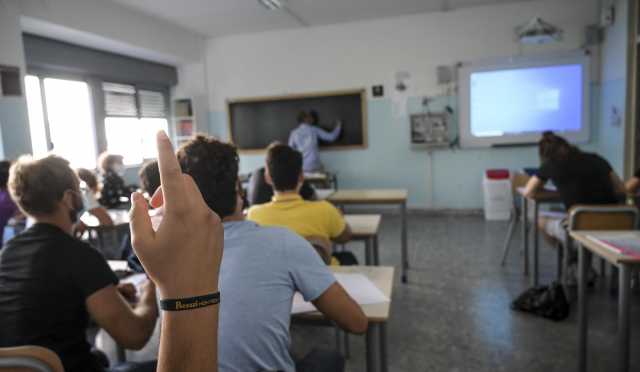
{"points": [[95, 23], [613, 88], [362, 54], [14, 129]]}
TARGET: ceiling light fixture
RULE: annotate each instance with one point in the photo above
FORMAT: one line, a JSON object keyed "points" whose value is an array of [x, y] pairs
{"points": [[272, 4]]}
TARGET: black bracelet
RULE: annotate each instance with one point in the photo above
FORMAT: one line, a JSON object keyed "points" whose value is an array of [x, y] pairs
{"points": [[191, 303]]}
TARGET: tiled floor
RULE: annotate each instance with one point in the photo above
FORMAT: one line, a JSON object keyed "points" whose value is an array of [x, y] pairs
{"points": [[454, 314]]}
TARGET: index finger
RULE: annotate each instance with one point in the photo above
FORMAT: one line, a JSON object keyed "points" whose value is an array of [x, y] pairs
{"points": [[170, 173]]}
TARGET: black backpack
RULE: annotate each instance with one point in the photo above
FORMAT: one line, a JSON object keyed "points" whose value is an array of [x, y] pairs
{"points": [[546, 301]]}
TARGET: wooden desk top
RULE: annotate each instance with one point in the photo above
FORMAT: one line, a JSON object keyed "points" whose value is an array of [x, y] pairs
{"points": [[542, 196], [381, 276], [602, 250], [316, 176], [363, 225], [369, 196]]}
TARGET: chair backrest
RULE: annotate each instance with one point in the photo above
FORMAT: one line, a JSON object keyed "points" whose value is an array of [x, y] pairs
{"points": [[29, 358], [603, 217]]}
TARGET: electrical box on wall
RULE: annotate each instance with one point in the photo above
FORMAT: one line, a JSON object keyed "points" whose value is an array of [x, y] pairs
{"points": [[429, 130], [607, 16]]}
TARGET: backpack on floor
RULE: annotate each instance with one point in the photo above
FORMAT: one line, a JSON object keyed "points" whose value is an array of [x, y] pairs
{"points": [[546, 301]]}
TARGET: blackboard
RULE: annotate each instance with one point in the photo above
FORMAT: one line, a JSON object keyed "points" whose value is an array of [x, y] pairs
{"points": [[256, 122]]}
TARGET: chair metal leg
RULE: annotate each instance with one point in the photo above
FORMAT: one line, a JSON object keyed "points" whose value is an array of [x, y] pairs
{"points": [[507, 242]]}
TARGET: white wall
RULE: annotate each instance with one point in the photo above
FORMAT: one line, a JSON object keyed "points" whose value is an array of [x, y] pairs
{"points": [[363, 54]]}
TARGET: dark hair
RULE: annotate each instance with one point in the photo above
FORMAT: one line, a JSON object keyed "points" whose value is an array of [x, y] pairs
{"points": [[4, 173], [554, 148], [313, 115], [88, 177], [107, 160], [303, 117], [38, 185], [149, 176], [214, 167], [285, 166]]}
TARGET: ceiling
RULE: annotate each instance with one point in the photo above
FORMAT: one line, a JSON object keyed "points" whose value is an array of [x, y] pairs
{"points": [[225, 17]]}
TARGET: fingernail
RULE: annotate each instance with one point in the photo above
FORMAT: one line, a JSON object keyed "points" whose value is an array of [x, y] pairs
{"points": [[163, 135]]}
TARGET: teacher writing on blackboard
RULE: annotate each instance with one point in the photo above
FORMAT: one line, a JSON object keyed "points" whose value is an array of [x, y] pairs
{"points": [[305, 139]]}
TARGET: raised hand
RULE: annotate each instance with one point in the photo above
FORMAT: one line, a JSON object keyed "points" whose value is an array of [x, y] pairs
{"points": [[183, 256]]}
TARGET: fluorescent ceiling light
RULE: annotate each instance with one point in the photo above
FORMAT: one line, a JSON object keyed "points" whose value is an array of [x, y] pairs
{"points": [[272, 4]]}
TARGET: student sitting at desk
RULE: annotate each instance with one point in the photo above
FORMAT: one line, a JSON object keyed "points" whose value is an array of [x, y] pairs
{"points": [[114, 190], [52, 283], [305, 139], [260, 191], [309, 219], [90, 197], [262, 268], [581, 178]]}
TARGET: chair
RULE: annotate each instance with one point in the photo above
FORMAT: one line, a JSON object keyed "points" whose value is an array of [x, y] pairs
{"points": [[596, 218], [519, 180], [29, 358]]}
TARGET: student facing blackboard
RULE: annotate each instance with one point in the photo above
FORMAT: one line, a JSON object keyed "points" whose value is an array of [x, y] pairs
{"points": [[305, 139]]}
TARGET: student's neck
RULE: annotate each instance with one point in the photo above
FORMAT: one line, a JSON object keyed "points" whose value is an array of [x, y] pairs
{"points": [[57, 219], [285, 193]]}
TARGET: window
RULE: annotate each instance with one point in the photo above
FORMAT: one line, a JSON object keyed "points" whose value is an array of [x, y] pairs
{"points": [[61, 119], [133, 117]]}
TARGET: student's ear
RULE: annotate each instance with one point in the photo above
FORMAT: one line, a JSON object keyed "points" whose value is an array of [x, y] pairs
{"points": [[267, 177], [68, 199], [300, 181]]}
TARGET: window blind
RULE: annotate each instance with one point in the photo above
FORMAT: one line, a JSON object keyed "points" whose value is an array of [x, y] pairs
{"points": [[120, 100]]}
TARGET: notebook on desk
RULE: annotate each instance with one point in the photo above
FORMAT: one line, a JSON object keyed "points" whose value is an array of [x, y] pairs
{"points": [[628, 244], [358, 286]]}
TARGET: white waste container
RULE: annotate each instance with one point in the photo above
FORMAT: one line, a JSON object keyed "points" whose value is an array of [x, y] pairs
{"points": [[498, 196]]}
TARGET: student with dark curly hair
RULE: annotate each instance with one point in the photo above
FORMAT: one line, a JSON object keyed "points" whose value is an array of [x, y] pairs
{"points": [[262, 268]]}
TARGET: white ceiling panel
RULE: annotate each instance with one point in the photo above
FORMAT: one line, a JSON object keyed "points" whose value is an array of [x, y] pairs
{"points": [[225, 17]]}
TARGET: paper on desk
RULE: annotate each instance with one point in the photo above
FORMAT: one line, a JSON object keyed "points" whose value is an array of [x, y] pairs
{"points": [[118, 265], [358, 286]]}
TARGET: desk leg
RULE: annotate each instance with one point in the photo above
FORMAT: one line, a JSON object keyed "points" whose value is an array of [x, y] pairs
{"points": [[405, 259], [371, 347], [582, 308], [376, 253], [383, 347], [624, 289], [536, 243], [368, 251], [525, 234]]}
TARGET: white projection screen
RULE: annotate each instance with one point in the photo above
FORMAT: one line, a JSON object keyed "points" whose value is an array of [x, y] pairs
{"points": [[512, 103]]}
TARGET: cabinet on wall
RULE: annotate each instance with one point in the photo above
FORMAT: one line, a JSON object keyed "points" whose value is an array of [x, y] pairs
{"points": [[189, 118]]}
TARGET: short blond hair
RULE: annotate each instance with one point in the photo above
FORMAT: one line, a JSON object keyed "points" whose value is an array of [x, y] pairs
{"points": [[37, 186]]}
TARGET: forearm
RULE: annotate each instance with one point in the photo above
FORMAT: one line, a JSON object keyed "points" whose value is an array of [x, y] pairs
{"points": [[189, 340]]}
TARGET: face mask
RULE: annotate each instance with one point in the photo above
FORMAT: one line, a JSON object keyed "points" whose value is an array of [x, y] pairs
{"points": [[119, 169]]}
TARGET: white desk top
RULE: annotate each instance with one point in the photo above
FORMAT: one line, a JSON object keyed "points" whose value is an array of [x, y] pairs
{"points": [[363, 225], [369, 196]]}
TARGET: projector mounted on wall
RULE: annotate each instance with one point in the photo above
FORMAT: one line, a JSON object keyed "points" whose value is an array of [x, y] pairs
{"points": [[537, 31]]}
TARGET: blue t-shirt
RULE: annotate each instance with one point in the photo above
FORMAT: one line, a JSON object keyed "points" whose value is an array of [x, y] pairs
{"points": [[305, 139], [262, 268]]}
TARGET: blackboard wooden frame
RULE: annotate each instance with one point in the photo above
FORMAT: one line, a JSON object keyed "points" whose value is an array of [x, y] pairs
{"points": [[363, 105]]}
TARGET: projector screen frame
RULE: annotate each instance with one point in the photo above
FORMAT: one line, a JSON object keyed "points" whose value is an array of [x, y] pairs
{"points": [[467, 140]]}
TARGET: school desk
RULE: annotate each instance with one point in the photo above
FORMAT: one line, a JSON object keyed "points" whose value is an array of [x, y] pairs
{"points": [[379, 196], [625, 264], [365, 227], [377, 314], [534, 201]]}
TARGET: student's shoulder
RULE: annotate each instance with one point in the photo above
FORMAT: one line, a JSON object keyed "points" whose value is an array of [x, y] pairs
{"points": [[259, 210]]}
